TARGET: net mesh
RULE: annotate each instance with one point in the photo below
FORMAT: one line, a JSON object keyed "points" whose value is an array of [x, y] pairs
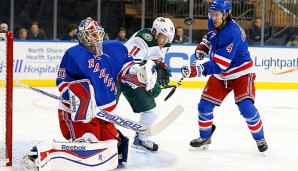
{"points": [[3, 52]]}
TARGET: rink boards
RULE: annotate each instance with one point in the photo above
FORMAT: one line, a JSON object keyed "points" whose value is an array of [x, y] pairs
{"points": [[36, 64]]}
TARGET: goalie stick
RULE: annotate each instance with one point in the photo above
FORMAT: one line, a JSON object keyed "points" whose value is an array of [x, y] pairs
{"points": [[149, 130]]}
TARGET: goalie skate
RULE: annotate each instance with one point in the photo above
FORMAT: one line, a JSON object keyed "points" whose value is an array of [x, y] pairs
{"points": [[201, 143], [144, 145], [28, 163]]}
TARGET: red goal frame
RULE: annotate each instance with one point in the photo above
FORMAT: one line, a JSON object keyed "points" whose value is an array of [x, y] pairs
{"points": [[9, 95]]}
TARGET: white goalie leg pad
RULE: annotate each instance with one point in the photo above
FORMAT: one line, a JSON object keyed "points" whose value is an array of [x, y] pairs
{"points": [[82, 100], [56, 155], [148, 118]]}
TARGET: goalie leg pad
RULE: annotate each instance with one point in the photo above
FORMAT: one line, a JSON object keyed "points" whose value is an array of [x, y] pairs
{"points": [[102, 130], [76, 156], [82, 100]]}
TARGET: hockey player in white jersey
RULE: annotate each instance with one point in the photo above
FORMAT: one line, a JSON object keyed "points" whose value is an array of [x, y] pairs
{"points": [[149, 44]]}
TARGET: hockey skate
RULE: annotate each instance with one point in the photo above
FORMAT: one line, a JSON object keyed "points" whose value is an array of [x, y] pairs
{"points": [[144, 145], [262, 145], [28, 163], [201, 143]]}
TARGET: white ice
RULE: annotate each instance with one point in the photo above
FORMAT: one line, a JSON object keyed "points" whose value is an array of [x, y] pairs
{"points": [[232, 147]]}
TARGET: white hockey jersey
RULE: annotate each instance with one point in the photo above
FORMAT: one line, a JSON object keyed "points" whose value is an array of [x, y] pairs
{"points": [[143, 46]]}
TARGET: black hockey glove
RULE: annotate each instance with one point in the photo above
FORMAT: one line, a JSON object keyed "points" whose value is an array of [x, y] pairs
{"points": [[163, 74]]}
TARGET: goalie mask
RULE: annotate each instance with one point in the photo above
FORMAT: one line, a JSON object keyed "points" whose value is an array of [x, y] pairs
{"points": [[90, 35], [164, 26]]}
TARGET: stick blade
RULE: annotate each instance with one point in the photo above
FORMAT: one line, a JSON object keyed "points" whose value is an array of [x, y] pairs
{"points": [[171, 93], [164, 123]]}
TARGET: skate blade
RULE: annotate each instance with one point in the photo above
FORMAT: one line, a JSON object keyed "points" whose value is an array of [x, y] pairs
{"points": [[203, 147]]}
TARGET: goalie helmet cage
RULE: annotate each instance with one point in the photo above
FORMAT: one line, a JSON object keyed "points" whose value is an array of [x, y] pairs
{"points": [[6, 83]]}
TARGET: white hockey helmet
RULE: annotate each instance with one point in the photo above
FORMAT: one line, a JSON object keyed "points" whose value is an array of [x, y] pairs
{"points": [[87, 29], [164, 26]]}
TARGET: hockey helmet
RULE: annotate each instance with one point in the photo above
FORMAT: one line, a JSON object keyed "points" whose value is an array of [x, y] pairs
{"points": [[90, 35], [164, 26], [220, 5]]}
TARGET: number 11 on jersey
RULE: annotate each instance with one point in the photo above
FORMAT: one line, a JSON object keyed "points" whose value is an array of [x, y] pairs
{"points": [[134, 51]]}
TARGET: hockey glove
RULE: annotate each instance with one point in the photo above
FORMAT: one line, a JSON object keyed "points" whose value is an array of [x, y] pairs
{"points": [[140, 75], [202, 49], [156, 90], [189, 71], [149, 72], [163, 74]]}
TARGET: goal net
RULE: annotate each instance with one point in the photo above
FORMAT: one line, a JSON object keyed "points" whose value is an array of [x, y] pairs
{"points": [[6, 80]]}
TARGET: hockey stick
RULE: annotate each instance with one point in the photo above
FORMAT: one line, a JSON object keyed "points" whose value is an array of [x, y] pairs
{"points": [[168, 86], [174, 89], [178, 84], [150, 130], [41, 92]]}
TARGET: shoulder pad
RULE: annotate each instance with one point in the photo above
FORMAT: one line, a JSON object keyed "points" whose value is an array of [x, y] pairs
{"points": [[147, 36]]}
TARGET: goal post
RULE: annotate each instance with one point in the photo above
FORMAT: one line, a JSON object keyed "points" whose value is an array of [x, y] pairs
{"points": [[6, 84]]}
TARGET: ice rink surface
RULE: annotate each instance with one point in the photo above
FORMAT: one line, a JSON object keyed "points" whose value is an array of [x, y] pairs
{"points": [[232, 148]]}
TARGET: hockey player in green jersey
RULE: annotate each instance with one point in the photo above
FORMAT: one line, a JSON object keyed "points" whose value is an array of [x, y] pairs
{"points": [[149, 44]]}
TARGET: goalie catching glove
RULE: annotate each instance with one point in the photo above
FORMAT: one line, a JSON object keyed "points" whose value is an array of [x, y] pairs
{"points": [[202, 49], [140, 75], [189, 71]]}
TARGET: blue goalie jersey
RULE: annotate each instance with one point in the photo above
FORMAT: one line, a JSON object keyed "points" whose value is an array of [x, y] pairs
{"points": [[80, 63]]}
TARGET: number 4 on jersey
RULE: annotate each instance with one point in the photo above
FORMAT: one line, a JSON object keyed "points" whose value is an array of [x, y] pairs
{"points": [[230, 47]]}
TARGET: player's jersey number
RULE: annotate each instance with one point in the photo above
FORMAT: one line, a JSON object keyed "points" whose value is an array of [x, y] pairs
{"points": [[61, 73], [134, 51]]}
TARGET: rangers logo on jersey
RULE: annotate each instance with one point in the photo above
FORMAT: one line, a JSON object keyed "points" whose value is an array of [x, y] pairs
{"points": [[147, 37]]}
